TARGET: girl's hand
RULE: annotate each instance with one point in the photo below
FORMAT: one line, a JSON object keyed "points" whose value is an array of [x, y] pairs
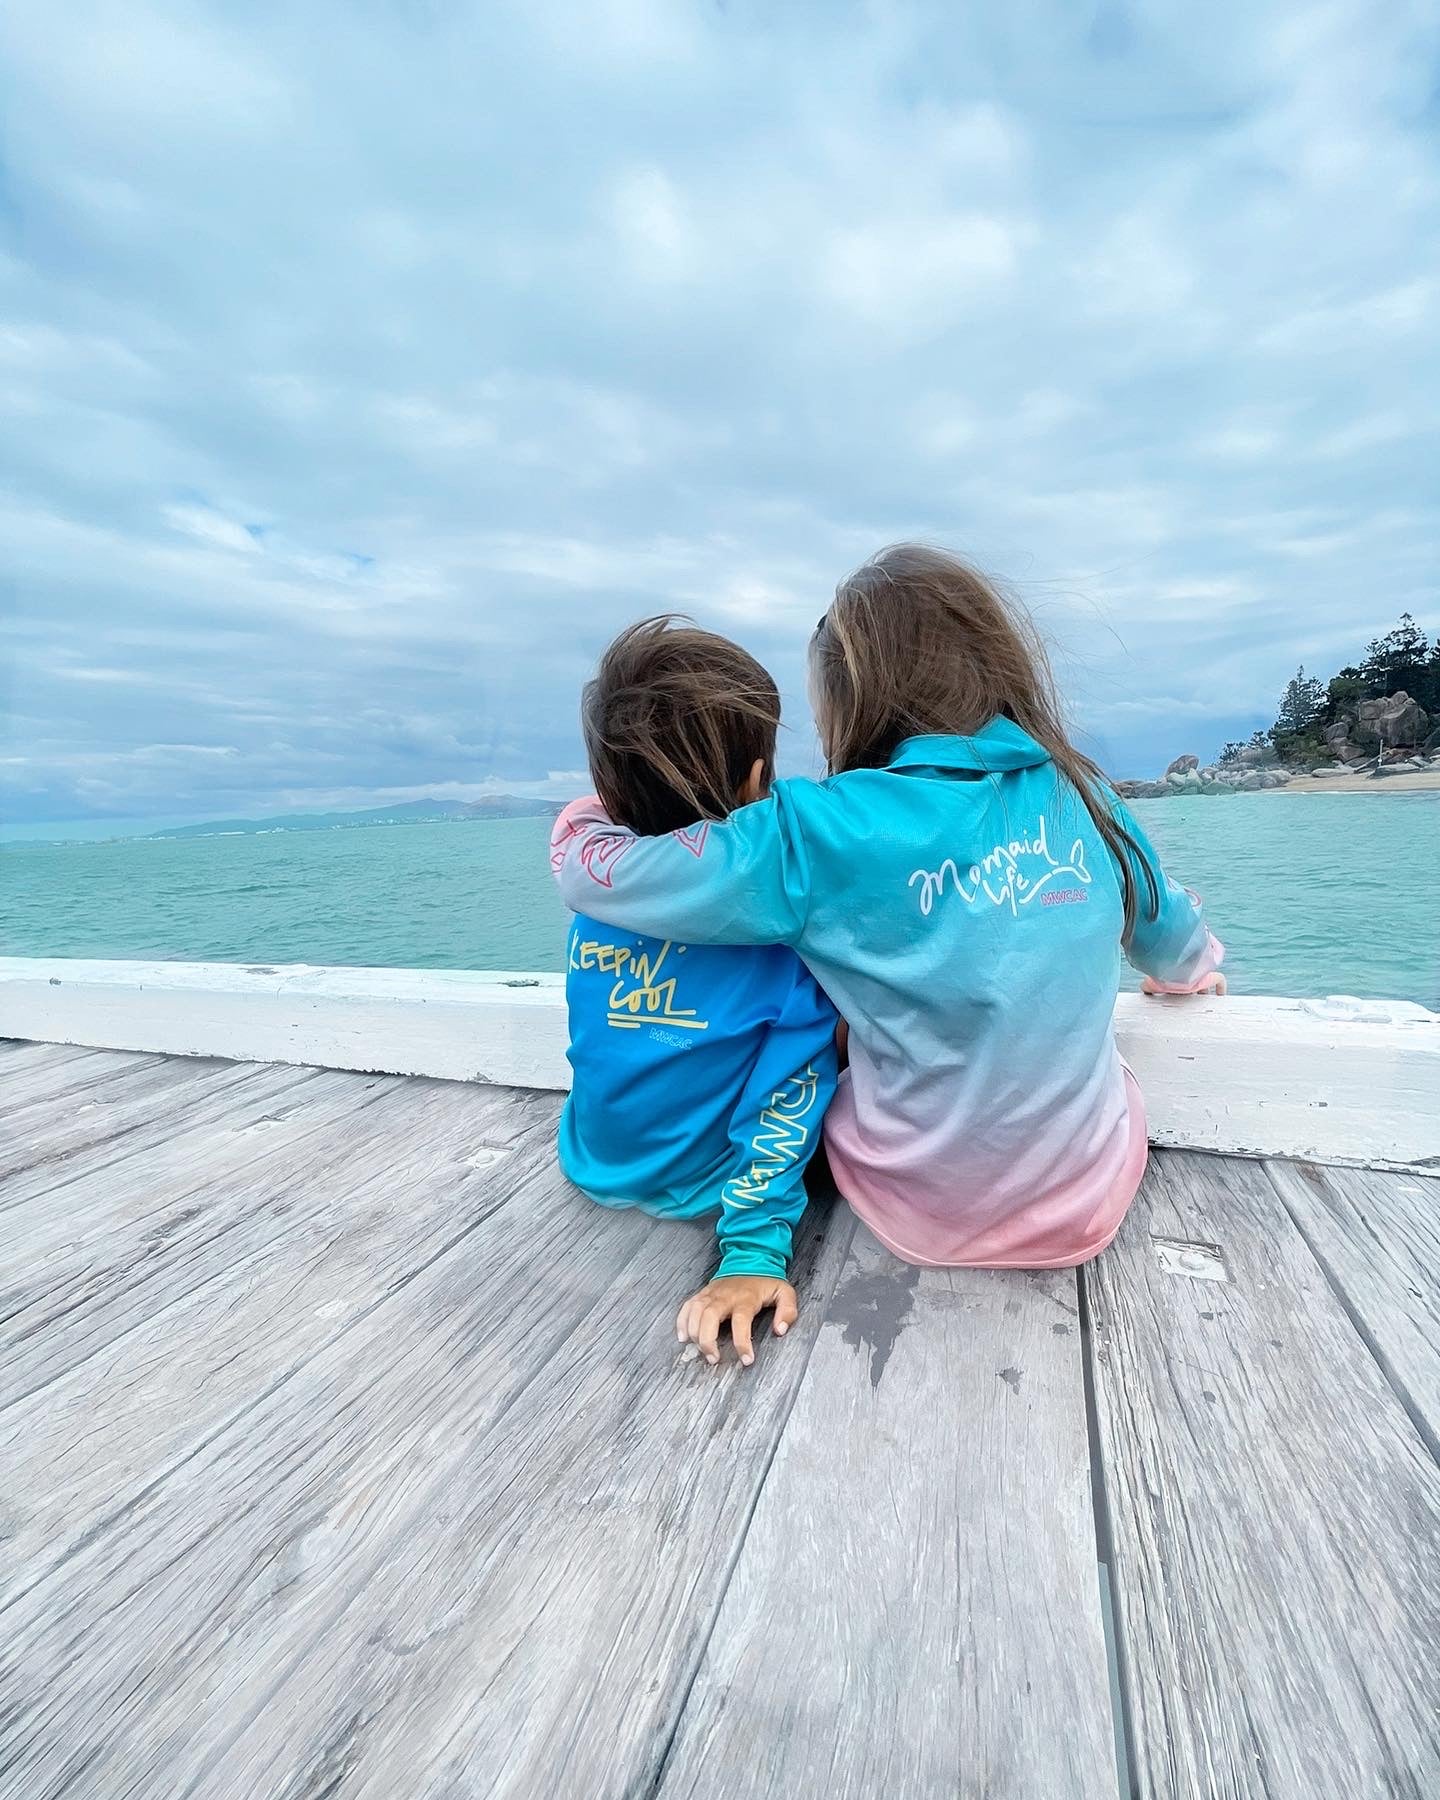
{"points": [[1213, 983], [737, 1298]]}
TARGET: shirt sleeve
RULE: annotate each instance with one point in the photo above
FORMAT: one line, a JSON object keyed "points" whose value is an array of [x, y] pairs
{"points": [[1175, 947], [743, 881], [774, 1132]]}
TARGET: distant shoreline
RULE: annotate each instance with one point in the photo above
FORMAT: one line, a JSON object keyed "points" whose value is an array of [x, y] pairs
{"points": [[1403, 781]]}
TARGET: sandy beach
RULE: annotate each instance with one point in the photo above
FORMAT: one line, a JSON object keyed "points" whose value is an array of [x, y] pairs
{"points": [[1404, 781]]}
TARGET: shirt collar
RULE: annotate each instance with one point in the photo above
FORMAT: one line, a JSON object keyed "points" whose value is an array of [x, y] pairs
{"points": [[997, 746]]}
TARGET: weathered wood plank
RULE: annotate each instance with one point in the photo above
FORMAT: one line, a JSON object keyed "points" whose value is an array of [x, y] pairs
{"points": [[917, 1608], [228, 1090], [1377, 1236], [537, 1629], [133, 1661], [24, 1053], [54, 1071], [87, 1262], [142, 1239], [119, 1097], [244, 1303], [479, 1531], [1276, 1517]]}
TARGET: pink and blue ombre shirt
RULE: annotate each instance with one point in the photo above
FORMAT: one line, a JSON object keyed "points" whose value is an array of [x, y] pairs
{"points": [[965, 916]]}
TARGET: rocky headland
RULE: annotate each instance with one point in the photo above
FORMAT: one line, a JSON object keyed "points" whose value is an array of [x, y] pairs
{"points": [[1390, 739]]}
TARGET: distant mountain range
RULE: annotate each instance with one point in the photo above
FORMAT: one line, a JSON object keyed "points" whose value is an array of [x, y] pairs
{"points": [[408, 812]]}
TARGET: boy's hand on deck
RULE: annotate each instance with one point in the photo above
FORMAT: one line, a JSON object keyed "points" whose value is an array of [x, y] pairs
{"points": [[737, 1298]]}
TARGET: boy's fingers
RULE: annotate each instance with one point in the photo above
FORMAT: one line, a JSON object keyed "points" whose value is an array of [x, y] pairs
{"points": [[689, 1319], [740, 1322], [709, 1336], [787, 1311]]}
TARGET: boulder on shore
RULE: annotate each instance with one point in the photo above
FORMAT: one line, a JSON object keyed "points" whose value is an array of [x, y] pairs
{"points": [[1351, 738], [1226, 778], [1395, 720], [1182, 765], [1387, 723]]}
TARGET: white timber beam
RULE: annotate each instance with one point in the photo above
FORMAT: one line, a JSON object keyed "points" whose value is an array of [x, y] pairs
{"points": [[1339, 1080]]}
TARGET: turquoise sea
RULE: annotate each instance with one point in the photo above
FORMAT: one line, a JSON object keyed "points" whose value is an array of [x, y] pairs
{"points": [[1312, 893]]}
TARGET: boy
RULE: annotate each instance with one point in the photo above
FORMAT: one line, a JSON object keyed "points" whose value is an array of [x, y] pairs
{"points": [[702, 1074]]}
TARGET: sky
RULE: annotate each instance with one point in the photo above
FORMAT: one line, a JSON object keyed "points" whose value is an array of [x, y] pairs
{"points": [[365, 366]]}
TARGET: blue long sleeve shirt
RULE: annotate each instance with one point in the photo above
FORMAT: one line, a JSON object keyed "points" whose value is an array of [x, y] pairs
{"points": [[701, 1077]]}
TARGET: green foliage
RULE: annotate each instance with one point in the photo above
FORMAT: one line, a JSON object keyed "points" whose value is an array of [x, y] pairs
{"points": [[1396, 661], [1300, 706], [1345, 692], [1300, 749], [1231, 752], [1298, 733], [1402, 660]]}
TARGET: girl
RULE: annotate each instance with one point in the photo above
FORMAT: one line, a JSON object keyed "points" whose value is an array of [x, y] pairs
{"points": [[962, 886]]}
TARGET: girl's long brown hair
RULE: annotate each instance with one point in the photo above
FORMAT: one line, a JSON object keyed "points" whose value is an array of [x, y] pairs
{"points": [[918, 642]]}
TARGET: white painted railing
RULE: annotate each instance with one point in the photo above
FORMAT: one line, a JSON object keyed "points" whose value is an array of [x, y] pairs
{"points": [[1333, 1080]]}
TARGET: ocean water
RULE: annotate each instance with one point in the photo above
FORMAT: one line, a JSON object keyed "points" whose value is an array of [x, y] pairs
{"points": [[1312, 893]]}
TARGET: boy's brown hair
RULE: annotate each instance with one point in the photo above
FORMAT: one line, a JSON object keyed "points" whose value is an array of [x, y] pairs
{"points": [[674, 721]]}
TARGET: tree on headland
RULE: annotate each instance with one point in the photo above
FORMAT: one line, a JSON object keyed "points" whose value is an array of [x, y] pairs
{"points": [[1397, 662], [1402, 660], [1321, 722], [1255, 747], [1300, 705], [1344, 692]]}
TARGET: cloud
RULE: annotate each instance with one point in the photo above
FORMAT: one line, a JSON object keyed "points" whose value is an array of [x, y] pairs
{"points": [[652, 223], [912, 275], [362, 371]]}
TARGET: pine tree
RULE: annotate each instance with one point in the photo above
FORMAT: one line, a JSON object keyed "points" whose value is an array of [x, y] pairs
{"points": [[1300, 706], [1428, 690], [1344, 692], [1397, 660]]}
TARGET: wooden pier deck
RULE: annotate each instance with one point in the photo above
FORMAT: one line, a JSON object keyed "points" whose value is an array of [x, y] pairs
{"points": [[345, 1452]]}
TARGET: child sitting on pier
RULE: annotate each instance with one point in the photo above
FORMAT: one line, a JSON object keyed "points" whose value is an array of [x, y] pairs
{"points": [[701, 1075], [963, 885]]}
